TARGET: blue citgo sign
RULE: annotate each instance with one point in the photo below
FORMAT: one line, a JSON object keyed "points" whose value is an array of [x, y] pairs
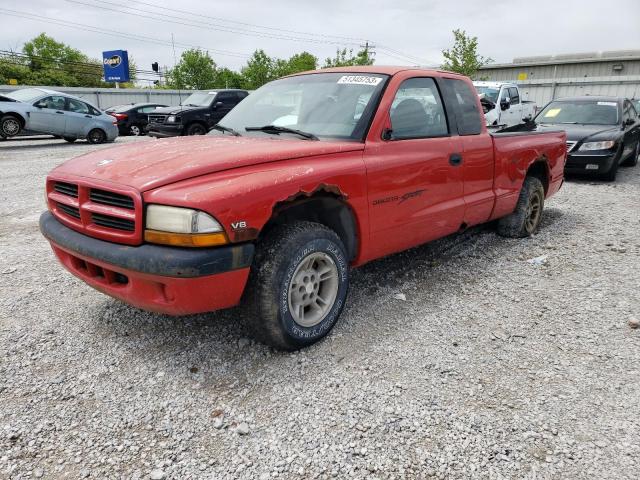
{"points": [[116, 66]]}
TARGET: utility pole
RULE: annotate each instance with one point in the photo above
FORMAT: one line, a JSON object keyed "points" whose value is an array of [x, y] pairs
{"points": [[370, 49]]}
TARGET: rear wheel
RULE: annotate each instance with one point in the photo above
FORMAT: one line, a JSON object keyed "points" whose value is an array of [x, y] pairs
{"points": [[196, 129], [525, 219], [10, 126], [97, 136], [297, 286], [135, 130]]}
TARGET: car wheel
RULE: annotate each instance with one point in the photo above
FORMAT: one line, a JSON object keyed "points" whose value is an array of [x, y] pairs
{"points": [[196, 129], [135, 130], [612, 173], [10, 126], [632, 161], [525, 219], [96, 136], [70, 139], [297, 286]]}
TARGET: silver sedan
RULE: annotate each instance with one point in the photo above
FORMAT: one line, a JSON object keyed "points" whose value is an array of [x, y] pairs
{"points": [[47, 111]]}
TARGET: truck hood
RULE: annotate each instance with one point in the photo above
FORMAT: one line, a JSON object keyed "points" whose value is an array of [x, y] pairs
{"points": [[149, 164], [175, 110]]}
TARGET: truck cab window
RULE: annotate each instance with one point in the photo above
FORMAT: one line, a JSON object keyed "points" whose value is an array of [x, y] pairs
{"points": [[463, 100], [228, 99], [514, 95], [417, 111]]}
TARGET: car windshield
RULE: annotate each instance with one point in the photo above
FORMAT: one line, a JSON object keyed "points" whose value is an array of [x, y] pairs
{"points": [[490, 93], [325, 105], [26, 95], [199, 99], [582, 112]]}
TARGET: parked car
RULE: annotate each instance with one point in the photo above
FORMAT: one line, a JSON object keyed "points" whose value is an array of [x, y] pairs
{"points": [[602, 133], [503, 104], [133, 118], [55, 113], [195, 115], [276, 214]]}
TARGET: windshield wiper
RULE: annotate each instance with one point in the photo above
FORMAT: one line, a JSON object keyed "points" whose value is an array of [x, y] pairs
{"points": [[275, 129], [222, 128]]}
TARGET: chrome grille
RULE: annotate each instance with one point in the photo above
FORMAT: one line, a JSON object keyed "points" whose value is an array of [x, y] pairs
{"points": [[570, 146], [157, 118]]}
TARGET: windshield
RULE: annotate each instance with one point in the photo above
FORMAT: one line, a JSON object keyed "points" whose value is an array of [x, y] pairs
{"points": [[582, 112], [25, 95], [199, 99], [490, 93], [327, 105]]}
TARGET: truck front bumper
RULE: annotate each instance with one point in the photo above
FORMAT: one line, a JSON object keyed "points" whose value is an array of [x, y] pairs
{"points": [[174, 281], [164, 130]]}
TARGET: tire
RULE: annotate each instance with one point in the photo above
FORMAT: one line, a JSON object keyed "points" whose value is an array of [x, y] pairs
{"points": [[135, 130], [70, 139], [196, 129], [525, 219], [10, 126], [611, 174], [281, 297], [632, 161], [97, 136]]}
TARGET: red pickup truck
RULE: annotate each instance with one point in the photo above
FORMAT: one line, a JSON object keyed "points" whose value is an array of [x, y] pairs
{"points": [[308, 176]]}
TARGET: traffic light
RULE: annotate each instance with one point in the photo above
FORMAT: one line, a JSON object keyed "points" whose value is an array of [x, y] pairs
{"points": [[154, 66]]}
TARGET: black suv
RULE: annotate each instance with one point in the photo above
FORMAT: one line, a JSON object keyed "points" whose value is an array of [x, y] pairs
{"points": [[132, 119], [195, 115]]}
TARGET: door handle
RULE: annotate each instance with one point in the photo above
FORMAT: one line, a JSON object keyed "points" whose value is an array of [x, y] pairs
{"points": [[88, 116], [61, 113], [455, 159]]}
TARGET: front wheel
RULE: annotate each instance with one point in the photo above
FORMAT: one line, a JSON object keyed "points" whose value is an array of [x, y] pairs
{"points": [[10, 126], [97, 136], [632, 161], [525, 219], [196, 129], [298, 285]]}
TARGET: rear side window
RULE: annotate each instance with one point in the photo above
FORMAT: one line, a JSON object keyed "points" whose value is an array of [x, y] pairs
{"points": [[77, 106], [463, 100], [515, 97]]}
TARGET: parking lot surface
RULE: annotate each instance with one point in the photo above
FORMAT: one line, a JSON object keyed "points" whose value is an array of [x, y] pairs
{"points": [[472, 357]]}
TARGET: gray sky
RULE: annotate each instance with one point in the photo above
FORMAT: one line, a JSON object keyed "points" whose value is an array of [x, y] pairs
{"points": [[406, 33]]}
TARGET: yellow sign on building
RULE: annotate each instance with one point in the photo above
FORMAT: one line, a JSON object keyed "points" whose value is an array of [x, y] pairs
{"points": [[522, 76], [13, 81]]}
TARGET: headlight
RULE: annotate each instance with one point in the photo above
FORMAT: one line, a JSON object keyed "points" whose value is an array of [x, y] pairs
{"points": [[182, 227], [597, 145], [173, 119]]}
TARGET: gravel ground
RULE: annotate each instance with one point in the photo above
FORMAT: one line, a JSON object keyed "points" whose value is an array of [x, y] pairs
{"points": [[460, 359]]}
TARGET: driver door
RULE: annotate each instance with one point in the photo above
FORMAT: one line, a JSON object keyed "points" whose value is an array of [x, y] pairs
{"points": [[49, 116]]}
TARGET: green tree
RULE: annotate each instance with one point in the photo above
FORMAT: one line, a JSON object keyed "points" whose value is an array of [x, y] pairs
{"points": [[54, 63], [463, 57], [227, 78], [346, 58], [196, 70], [259, 70]]}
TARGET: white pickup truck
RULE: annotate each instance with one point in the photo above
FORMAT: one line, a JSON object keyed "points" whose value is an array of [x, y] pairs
{"points": [[503, 104]]}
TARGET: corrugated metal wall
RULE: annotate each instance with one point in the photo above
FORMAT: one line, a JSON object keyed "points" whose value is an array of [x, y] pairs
{"points": [[554, 80], [107, 97]]}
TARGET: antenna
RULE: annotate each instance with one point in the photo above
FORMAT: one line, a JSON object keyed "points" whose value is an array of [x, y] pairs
{"points": [[175, 62]]}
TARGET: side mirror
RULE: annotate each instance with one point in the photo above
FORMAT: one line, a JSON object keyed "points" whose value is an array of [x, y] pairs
{"points": [[217, 105], [505, 104], [629, 121], [39, 105], [387, 134]]}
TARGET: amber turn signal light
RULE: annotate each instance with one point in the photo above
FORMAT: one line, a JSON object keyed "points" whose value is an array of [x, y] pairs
{"points": [[185, 239]]}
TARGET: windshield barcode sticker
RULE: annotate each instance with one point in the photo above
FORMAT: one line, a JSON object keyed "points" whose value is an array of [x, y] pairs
{"points": [[359, 80]]}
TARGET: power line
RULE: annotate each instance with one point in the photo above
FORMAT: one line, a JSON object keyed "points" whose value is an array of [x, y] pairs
{"points": [[112, 33]]}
